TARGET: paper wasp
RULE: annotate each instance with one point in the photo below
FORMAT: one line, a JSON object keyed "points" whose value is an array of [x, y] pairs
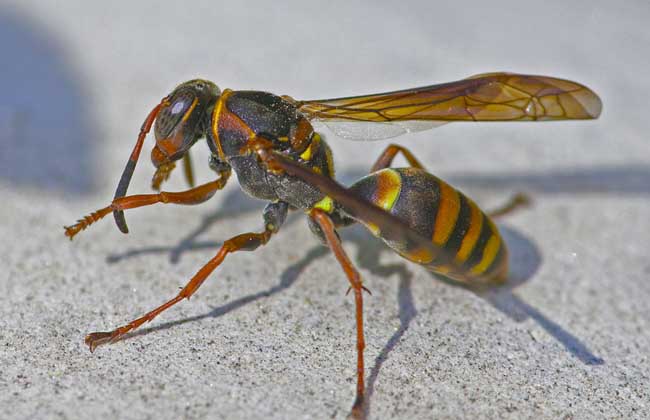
{"points": [[269, 141]]}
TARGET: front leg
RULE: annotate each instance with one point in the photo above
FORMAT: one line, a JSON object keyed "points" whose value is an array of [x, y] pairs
{"points": [[193, 196]]}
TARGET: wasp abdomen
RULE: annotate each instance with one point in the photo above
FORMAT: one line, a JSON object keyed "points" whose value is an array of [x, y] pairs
{"points": [[437, 211]]}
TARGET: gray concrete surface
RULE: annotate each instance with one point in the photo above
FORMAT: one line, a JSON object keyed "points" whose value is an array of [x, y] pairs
{"points": [[271, 334]]}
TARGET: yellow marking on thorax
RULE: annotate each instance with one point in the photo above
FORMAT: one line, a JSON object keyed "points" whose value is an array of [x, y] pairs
{"points": [[473, 232], [311, 149], [489, 254], [326, 204], [389, 186], [218, 108], [448, 210]]}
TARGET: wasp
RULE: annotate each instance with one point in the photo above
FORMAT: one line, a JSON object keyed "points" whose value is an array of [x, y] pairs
{"points": [[270, 143]]}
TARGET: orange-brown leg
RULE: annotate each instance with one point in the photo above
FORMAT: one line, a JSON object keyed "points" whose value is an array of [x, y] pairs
{"points": [[356, 285], [187, 169], [387, 156], [194, 196], [386, 159], [516, 201], [164, 171], [243, 242]]}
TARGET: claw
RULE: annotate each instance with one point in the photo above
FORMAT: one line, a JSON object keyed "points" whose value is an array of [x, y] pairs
{"points": [[71, 231], [364, 288], [93, 340]]}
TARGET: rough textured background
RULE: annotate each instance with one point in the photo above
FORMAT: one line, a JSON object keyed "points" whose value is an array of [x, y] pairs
{"points": [[271, 334]]}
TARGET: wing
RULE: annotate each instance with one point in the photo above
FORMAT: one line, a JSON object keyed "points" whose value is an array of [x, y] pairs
{"points": [[485, 97], [368, 131]]}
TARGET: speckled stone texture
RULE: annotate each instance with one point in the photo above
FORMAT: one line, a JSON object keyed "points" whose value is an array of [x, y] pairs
{"points": [[271, 333]]}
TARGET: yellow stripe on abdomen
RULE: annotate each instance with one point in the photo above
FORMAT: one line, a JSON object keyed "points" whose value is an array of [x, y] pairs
{"points": [[389, 185], [473, 232], [447, 215], [489, 254]]}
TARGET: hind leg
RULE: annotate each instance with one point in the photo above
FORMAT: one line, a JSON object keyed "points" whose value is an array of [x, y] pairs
{"points": [[387, 156], [519, 200], [327, 226]]}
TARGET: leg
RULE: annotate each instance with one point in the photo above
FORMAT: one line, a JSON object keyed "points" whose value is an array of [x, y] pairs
{"points": [[386, 159], [516, 201], [387, 156], [194, 196], [334, 243], [273, 217], [187, 169], [164, 170]]}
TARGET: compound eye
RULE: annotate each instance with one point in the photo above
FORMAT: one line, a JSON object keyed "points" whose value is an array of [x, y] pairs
{"points": [[171, 115]]}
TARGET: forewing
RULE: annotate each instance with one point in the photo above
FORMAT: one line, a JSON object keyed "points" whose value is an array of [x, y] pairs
{"points": [[369, 131], [485, 97]]}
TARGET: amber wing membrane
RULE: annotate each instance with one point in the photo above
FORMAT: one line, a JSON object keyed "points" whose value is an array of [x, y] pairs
{"points": [[485, 97]]}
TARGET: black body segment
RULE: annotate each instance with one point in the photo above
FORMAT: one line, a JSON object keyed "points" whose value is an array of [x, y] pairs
{"points": [[241, 116], [437, 211], [275, 215], [460, 228], [264, 113]]}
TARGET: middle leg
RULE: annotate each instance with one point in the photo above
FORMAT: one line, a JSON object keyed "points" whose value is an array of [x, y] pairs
{"points": [[386, 158], [274, 215], [517, 201]]}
